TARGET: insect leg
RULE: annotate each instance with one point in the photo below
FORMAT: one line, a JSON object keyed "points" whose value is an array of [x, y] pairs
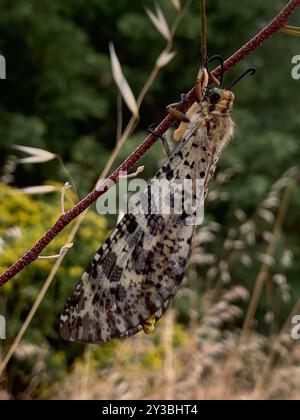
{"points": [[177, 114]]}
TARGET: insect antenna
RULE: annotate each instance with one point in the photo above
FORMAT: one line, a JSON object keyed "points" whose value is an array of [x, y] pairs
{"points": [[250, 71], [221, 64], [153, 132], [161, 137]]}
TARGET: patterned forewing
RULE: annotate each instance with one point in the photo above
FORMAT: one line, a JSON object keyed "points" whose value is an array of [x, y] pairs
{"points": [[141, 265]]}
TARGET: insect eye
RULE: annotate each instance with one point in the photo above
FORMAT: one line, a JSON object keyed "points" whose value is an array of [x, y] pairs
{"points": [[214, 96]]}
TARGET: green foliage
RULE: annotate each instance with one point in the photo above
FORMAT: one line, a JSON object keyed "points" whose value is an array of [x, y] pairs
{"points": [[23, 222]]}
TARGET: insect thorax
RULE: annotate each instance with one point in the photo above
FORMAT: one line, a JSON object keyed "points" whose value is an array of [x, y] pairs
{"points": [[215, 114]]}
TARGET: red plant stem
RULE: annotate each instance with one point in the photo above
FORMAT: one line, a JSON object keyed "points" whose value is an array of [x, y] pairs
{"points": [[275, 25]]}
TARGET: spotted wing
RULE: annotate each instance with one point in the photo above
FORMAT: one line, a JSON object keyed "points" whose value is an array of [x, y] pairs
{"points": [[141, 265]]}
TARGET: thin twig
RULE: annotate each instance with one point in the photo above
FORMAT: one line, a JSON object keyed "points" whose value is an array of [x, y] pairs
{"points": [[203, 32], [139, 170], [61, 252], [67, 186], [291, 30], [68, 173], [274, 26], [119, 117], [169, 365]]}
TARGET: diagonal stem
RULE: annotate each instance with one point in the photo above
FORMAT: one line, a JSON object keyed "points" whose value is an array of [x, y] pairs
{"points": [[274, 26]]}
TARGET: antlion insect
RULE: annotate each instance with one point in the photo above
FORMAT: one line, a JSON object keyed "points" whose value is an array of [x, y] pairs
{"points": [[140, 267]]}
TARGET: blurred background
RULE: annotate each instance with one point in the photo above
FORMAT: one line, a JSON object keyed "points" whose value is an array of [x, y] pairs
{"points": [[60, 96]]}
